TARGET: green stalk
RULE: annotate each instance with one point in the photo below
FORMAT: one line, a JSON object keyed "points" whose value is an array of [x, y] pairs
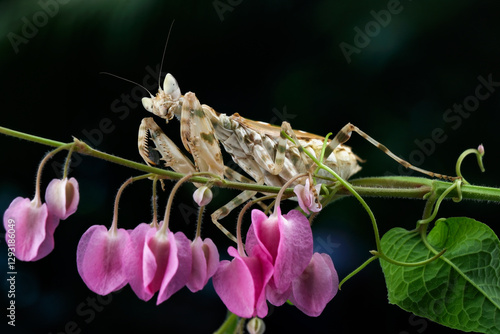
{"points": [[390, 186]]}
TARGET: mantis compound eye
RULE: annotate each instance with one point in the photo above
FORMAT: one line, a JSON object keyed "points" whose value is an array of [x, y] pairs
{"points": [[171, 87], [147, 103]]}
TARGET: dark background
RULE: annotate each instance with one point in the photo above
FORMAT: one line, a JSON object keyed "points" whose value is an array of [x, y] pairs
{"points": [[264, 60]]}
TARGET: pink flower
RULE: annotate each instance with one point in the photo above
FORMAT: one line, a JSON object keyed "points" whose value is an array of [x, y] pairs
{"points": [[157, 261], [62, 197], [286, 242], [241, 284], [204, 265], [29, 229], [316, 286], [308, 197], [100, 258]]}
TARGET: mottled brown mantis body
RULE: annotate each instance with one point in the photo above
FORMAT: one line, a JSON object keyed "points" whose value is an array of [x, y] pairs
{"points": [[260, 149]]}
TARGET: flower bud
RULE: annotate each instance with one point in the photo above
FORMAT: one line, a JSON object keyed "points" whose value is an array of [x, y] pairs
{"points": [[481, 149], [256, 326], [62, 197], [203, 195]]}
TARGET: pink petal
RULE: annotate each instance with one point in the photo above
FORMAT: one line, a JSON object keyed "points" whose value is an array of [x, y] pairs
{"points": [[306, 197], [158, 252], [178, 268], [300, 191], [277, 298], [241, 284], [295, 250], [317, 285], [263, 236], [234, 284], [62, 197], [288, 241], [196, 280], [134, 255], [212, 256], [48, 243], [25, 224], [100, 259], [204, 265], [157, 262]]}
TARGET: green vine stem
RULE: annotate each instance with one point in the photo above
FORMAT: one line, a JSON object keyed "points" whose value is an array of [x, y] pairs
{"points": [[479, 155], [431, 214], [389, 186], [345, 184], [357, 270]]}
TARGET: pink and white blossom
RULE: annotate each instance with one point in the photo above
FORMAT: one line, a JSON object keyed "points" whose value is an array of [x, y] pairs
{"points": [[308, 197], [286, 241], [157, 261], [204, 264], [100, 259], [28, 223], [241, 284]]}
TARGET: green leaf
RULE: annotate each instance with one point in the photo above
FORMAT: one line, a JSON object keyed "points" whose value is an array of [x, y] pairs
{"points": [[461, 289]]}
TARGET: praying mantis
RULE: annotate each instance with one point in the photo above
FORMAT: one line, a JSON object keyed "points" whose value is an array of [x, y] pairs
{"points": [[262, 150]]}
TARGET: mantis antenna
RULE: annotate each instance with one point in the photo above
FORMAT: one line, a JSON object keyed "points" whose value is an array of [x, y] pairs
{"points": [[122, 78], [161, 65], [164, 52]]}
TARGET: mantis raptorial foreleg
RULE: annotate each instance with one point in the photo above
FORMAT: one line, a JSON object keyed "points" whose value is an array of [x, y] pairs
{"points": [[197, 134], [170, 154]]}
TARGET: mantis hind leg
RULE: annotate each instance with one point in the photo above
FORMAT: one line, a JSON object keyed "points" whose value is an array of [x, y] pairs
{"points": [[234, 203], [230, 206], [345, 133]]}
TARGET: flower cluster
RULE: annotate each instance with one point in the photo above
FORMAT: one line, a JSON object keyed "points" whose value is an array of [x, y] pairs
{"points": [[280, 266], [30, 225], [151, 259]]}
